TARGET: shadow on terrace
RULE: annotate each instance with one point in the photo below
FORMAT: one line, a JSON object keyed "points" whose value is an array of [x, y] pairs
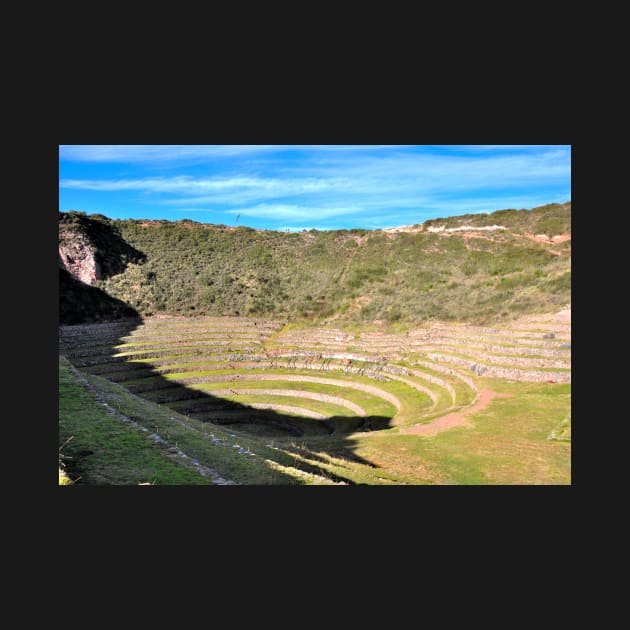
{"points": [[92, 348]]}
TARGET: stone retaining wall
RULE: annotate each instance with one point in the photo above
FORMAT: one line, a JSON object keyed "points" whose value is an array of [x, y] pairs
{"points": [[488, 360]]}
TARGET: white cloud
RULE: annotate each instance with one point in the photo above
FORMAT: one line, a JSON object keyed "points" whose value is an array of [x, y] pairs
{"points": [[187, 185], [409, 180], [427, 172], [294, 212], [335, 180]]}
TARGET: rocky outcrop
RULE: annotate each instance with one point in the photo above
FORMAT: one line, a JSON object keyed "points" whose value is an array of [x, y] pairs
{"points": [[91, 247], [77, 255]]}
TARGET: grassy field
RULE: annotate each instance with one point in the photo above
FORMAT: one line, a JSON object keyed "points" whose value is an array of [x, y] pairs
{"points": [[508, 444]]}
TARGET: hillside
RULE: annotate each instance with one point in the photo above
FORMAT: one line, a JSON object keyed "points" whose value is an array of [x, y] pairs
{"points": [[79, 302], [476, 268]]}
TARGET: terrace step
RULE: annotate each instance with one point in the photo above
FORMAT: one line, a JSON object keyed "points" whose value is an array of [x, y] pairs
{"points": [[465, 358], [148, 358], [292, 393]]}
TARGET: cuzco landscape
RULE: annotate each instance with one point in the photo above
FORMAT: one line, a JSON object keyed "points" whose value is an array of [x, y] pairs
{"points": [[331, 315]]}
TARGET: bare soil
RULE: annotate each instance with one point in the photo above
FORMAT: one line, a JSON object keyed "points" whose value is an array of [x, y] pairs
{"points": [[545, 238], [455, 419]]}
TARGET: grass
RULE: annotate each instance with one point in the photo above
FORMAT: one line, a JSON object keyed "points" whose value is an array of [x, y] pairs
{"points": [[563, 431], [325, 408], [517, 439], [412, 401], [123, 456], [101, 450], [64, 480], [507, 446]]}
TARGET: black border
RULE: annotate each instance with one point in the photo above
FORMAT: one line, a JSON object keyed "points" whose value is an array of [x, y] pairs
{"points": [[285, 517]]}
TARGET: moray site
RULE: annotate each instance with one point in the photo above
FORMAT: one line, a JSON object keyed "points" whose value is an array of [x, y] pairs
{"points": [[435, 353]]}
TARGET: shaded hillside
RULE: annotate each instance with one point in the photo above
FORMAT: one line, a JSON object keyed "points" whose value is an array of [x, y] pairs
{"points": [[354, 276], [91, 249], [79, 302]]}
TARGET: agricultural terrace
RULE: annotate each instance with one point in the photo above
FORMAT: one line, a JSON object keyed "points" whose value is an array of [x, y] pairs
{"points": [[444, 404]]}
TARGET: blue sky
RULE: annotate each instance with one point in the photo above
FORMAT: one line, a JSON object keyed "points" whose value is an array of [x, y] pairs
{"points": [[299, 187]]}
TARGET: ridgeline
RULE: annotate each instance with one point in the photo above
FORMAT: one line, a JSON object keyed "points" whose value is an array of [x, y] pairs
{"points": [[478, 268]]}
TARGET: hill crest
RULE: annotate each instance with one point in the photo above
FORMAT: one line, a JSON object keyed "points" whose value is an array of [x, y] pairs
{"points": [[479, 267]]}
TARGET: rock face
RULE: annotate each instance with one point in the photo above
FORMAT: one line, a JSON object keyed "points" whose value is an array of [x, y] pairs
{"points": [[78, 256], [91, 248]]}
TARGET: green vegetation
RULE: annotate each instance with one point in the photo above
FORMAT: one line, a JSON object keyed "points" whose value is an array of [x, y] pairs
{"points": [[353, 276], [101, 450], [79, 302], [323, 420], [563, 431], [508, 445], [550, 219]]}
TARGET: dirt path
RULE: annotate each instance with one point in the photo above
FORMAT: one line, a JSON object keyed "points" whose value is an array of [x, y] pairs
{"points": [[455, 419], [546, 238]]}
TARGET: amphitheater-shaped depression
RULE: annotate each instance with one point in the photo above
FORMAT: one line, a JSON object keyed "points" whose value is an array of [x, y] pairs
{"points": [[248, 373]]}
